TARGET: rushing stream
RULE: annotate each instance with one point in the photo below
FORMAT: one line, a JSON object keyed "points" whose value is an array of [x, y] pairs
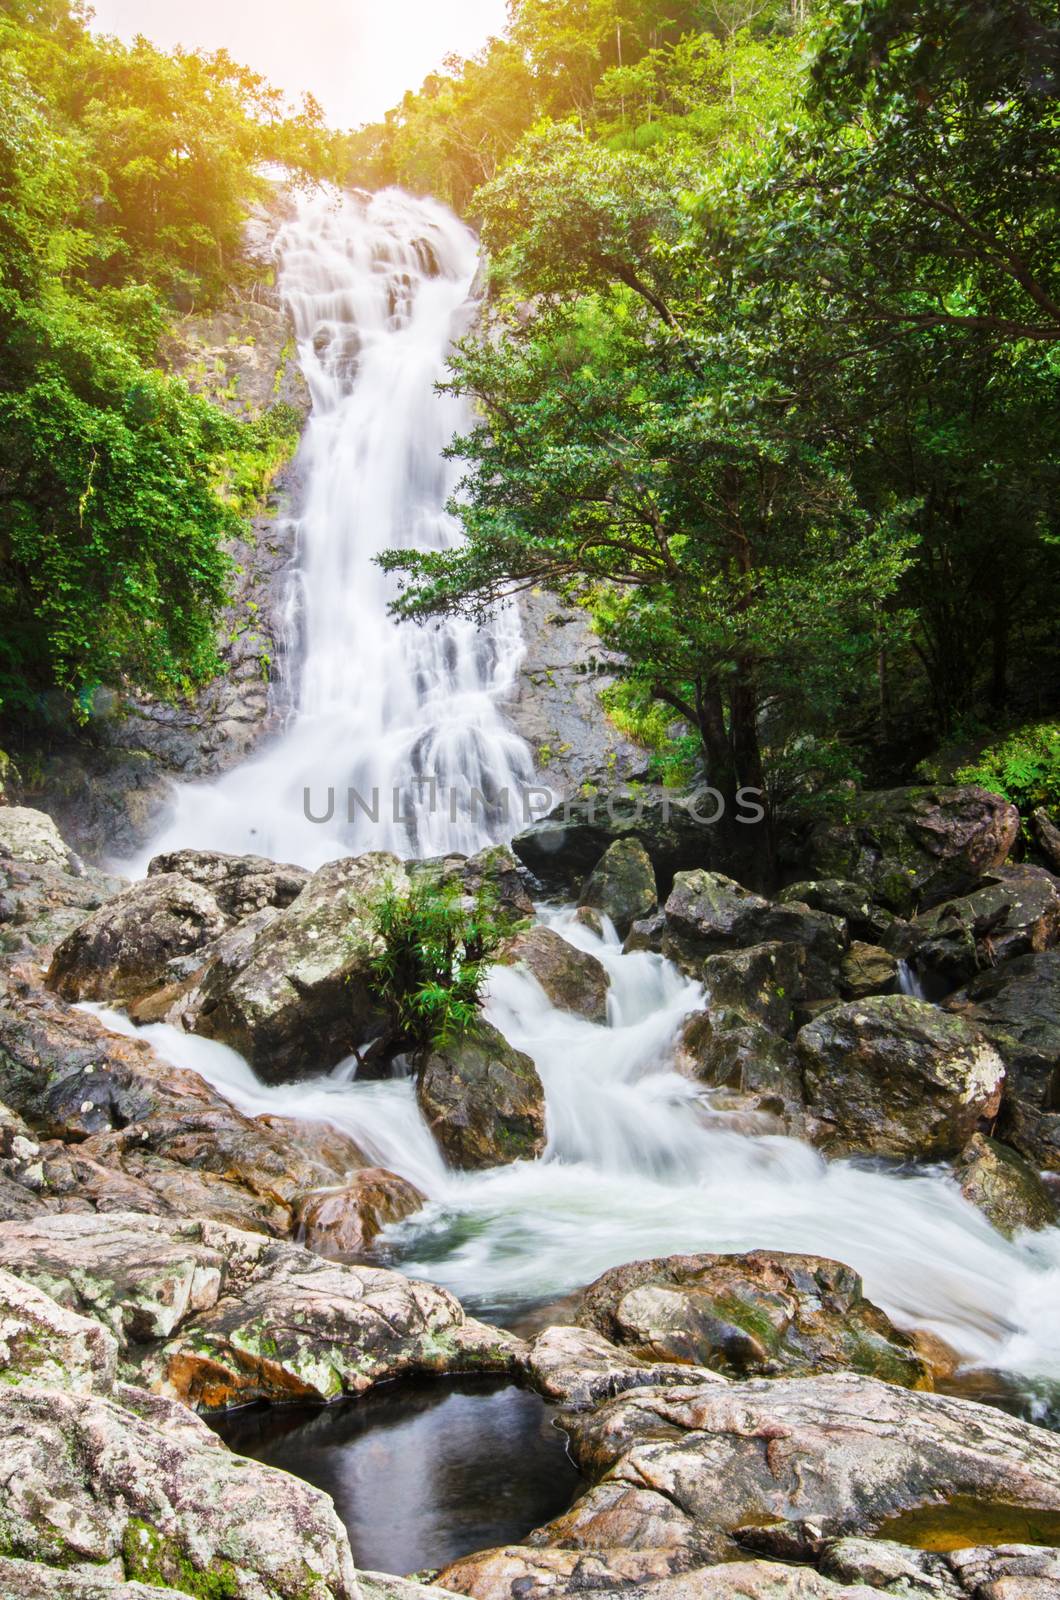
{"points": [[637, 1164]]}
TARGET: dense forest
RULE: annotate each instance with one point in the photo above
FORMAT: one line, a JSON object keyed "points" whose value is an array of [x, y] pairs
{"points": [[766, 381]]}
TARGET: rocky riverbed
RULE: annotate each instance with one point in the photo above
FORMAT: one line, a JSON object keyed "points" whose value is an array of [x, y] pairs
{"points": [[745, 1421]]}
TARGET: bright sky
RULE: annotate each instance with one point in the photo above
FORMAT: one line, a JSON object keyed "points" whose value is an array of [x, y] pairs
{"points": [[357, 56]]}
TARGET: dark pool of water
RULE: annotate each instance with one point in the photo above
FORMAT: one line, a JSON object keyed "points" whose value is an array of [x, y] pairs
{"points": [[421, 1472]]}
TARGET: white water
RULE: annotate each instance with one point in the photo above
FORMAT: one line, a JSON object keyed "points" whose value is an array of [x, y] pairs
{"points": [[378, 287], [637, 1165]]}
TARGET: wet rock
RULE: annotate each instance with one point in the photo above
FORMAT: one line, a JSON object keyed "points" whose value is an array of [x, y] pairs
{"points": [[1046, 836], [344, 1222], [898, 1077], [41, 904], [45, 1344], [494, 870], [573, 980], [303, 1000], [482, 1099], [915, 847], [1014, 1572], [759, 983], [759, 1068], [31, 1580], [867, 969], [1004, 1187], [579, 1368], [564, 847], [139, 1131], [540, 1572], [31, 836], [622, 885], [1014, 913], [781, 1465], [216, 1317], [188, 979], [707, 913], [143, 1485], [851, 901], [1017, 1007], [765, 1313], [241, 885], [121, 951]]}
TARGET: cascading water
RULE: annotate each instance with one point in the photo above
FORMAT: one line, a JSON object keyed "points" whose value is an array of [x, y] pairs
{"points": [[637, 1164], [404, 715]]}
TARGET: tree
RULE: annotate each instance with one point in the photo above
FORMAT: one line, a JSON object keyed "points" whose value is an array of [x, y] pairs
{"points": [[636, 453]]}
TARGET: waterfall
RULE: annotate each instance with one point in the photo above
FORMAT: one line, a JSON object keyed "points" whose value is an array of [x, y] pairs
{"points": [[638, 1165], [403, 715]]}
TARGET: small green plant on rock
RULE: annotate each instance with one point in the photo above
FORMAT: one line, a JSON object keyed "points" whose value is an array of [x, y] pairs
{"points": [[433, 947]]}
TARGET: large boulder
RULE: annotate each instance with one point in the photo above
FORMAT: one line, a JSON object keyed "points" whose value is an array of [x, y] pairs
{"points": [[765, 1313], [749, 1069], [31, 836], [494, 871], [852, 902], [121, 1128], [707, 913], [345, 1221], [915, 847], [572, 979], [898, 1077], [1004, 1186], [1014, 913], [687, 1482], [122, 950], [241, 885], [1017, 1007], [303, 1000], [759, 984], [482, 1100], [579, 1367], [867, 969], [622, 884], [216, 1317]]}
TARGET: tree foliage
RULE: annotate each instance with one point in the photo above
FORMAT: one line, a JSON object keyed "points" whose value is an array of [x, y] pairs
{"points": [[125, 178]]}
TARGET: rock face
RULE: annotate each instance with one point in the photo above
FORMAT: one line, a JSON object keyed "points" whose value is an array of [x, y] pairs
{"points": [[138, 1133], [622, 885], [707, 913], [867, 969], [483, 1100], [302, 1001], [121, 951], [851, 901], [763, 1313], [343, 1222], [758, 984], [108, 1486], [40, 904], [898, 1077], [240, 885], [1017, 1007], [495, 869], [579, 1367], [565, 846], [1004, 1187], [684, 1478], [1014, 913], [555, 703], [756, 1069], [31, 836], [916, 846], [215, 1317], [573, 980]]}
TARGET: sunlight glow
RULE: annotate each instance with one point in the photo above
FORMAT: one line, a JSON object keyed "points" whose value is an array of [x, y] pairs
{"points": [[356, 56]]}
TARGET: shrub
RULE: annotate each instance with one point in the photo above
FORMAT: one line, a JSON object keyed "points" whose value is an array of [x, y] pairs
{"points": [[1024, 767], [434, 947]]}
